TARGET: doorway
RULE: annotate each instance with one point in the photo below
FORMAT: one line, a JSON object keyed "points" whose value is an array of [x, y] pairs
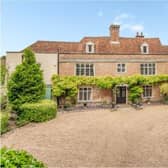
{"points": [[121, 94]]}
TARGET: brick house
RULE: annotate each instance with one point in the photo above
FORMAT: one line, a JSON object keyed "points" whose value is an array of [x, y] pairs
{"points": [[101, 56]]}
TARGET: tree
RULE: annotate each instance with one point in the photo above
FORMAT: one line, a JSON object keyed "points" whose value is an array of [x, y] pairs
{"points": [[26, 84]]}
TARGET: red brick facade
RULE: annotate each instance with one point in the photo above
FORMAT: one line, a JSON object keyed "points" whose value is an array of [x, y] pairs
{"points": [[109, 51]]}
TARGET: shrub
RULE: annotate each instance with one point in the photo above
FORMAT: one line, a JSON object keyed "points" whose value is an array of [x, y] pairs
{"points": [[164, 91], [4, 117], [26, 84], [11, 158], [135, 94], [37, 112], [3, 72], [3, 102]]}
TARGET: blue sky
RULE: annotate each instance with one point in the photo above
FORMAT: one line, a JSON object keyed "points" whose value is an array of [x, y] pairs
{"points": [[26, 21]]}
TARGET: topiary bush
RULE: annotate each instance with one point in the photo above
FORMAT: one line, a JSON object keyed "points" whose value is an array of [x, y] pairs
{"points": [[26, 84], [4, 117], [11, 158], [37, 112]]}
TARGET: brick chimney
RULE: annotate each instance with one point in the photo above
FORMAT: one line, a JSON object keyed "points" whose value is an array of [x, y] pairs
{"points": [[114, 32]]}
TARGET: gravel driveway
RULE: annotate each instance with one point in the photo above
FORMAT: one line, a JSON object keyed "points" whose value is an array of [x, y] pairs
{"points": [[98, 138]]}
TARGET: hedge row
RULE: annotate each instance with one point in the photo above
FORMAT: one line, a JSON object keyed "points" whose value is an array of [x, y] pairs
{"points": [[11, 158], [37, 112]]}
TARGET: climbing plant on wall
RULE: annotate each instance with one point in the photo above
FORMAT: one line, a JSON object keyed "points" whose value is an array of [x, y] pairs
{"points": [[68, 85]]}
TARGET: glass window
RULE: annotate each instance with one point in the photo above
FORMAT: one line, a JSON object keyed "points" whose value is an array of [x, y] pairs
{"points": [[147, 91], [147, 69], [144, 48], [121, 68], [89, 47], [85, 94], [85, 69]]}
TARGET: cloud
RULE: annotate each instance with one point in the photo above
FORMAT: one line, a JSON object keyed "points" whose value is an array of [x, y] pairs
{"points": [[133, 27], [128, 22], [137, 27], [119, 19], [100, 13]]}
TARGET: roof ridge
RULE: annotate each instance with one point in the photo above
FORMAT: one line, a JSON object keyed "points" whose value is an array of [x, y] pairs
{"points": [[50, 41]]}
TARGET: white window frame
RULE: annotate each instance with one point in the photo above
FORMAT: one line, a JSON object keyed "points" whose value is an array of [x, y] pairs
{"points": [[87, 47], [145, 90], [148, 68], [84, 69], [142, 48], [121, 68], [91, 90]]}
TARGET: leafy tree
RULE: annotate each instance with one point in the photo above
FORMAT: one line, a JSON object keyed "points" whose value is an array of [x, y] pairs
{"points": [[26, 84]]}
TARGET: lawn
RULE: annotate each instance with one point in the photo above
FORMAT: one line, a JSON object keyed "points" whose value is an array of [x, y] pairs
{"points": [[98, 138]]}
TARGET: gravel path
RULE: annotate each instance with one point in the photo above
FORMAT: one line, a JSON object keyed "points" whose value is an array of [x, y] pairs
{"points": [[98, 138]]}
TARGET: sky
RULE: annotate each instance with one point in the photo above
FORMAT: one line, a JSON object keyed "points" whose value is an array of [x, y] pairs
{"points": [[23, 22]]}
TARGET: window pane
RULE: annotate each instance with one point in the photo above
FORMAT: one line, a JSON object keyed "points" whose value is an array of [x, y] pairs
{"points": [[85, 94], [123, 67], [142, 69], [90, 48], [80, 94], [89, 94], [77, 69], [118, 67], [144, 49], [82, 69], [147, 91]]}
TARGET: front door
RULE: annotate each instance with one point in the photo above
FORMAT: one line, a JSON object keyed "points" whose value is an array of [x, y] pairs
{"points": [[121, 95]]}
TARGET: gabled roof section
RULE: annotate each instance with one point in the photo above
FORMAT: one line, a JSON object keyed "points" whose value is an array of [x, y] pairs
{"points": [[113, 44]]}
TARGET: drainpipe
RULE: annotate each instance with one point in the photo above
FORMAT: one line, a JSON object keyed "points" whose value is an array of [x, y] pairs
{"points": [[58, 70]]}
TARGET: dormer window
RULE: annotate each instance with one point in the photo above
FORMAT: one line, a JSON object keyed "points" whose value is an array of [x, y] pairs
{"points": [[90, 47], [144, 48]]}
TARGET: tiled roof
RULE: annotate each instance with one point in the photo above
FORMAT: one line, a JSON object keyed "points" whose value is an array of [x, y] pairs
{"points": [[102, 45]]}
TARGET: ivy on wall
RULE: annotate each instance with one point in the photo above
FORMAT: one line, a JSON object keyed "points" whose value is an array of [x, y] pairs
{"points": [[67, 86]]}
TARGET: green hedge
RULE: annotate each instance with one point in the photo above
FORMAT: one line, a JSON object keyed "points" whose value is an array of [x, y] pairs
{"points": [[11, 158], [4, 117], [37, 112]]}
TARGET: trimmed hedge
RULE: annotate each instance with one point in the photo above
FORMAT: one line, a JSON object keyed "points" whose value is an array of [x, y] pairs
{"points": [[11, 158], [37, 112], [4, 117]]}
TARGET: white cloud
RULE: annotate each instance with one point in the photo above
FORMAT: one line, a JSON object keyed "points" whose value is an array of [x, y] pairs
{"points": [[128, 22], [137, 28], [120, 18]]}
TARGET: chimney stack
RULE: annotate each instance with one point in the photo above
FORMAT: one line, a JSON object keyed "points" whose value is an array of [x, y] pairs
{"points": [[114, 32], [139, 35]]}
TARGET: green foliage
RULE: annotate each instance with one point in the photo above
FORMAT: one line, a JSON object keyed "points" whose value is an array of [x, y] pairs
{"points": [[3, 72], [3, 101], [37, 112], [11, 158], [164, 91], [26, 83], [135, 94], [68, 85], [4, 117]]}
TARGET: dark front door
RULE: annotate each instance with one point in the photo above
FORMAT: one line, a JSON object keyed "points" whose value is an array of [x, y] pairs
{"points": [[121, 95]]}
